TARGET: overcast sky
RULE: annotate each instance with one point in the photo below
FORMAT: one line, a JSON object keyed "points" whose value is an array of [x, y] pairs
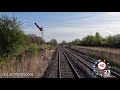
{"points": [[69, 25]]}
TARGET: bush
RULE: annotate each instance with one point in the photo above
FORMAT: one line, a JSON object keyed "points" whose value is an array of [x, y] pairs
{"points": [[34, 49], [11, 36]]}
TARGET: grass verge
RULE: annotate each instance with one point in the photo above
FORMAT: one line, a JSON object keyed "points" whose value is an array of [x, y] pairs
{"points": [[32, 66]]}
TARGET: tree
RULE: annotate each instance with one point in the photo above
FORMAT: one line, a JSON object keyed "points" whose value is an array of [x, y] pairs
{"points": [[33, 39], [98, 39], [64, 42], [113, 41], [53, 42], [76, 42], [11, 35], [89, 40], [116, 40], [109, 41], [103, 42]]}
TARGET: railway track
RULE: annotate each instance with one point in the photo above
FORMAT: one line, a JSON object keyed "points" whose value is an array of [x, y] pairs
{"points": [[66, 68], [71, 64], [92, 61], [86, 65], [62, 66]]}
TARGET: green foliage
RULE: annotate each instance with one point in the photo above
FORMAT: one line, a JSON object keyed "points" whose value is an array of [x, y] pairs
{"points": [[48, 46], [89, 40], [64, 42], [97, 40], [116, 40], [113, 41], [13, 41], [33, 39], [34, 49], [34, 43], [11, 35], [75, 42], [53, 42], [109, 41]]}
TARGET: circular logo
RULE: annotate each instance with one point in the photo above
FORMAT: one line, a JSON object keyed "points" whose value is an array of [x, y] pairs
{"points": [[100, 68], [101, 65]]}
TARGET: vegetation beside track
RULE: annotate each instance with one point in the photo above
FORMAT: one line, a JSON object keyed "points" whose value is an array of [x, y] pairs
{"points": [[20, 52]]}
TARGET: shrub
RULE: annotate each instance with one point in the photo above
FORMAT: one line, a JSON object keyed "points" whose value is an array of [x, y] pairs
{"points": [[11, 35], [34, 49]]}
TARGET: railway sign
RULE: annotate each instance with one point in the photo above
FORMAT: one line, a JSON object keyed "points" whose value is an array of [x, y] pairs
{"points": [[41, 29]]}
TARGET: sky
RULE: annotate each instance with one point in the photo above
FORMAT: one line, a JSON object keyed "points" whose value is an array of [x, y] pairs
{"points": [[69, 25]]}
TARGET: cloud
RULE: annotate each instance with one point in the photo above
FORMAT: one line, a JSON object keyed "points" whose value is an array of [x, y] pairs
{"points": [[114, 14], [71, 33], [109, 32], [78, 26]]}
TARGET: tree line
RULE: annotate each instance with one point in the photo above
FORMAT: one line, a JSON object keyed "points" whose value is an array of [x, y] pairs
{"points": [[98, 41]]}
